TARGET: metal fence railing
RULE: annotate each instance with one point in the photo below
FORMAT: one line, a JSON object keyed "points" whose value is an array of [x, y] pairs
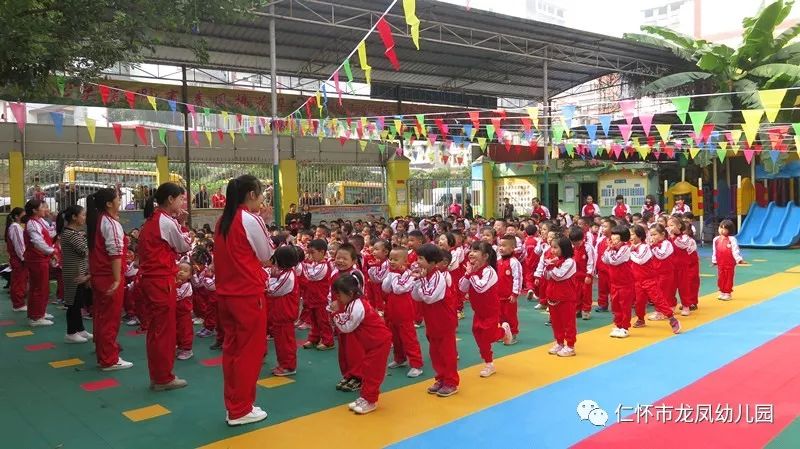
{"points": [[341, 184], [212, 177], [434, 196]]}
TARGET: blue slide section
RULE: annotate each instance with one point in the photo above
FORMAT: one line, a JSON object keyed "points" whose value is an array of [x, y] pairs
{"points": [[770, 227]]}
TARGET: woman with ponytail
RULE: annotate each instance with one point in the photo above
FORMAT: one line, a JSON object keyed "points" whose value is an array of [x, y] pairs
{"points": [[162, 239], [75, 270], [242, 246], [107, 246], [15, 246], [39, 252]]}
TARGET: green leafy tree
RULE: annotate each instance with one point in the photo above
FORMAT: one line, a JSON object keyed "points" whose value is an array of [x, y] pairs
{"points": [[84, 37]]}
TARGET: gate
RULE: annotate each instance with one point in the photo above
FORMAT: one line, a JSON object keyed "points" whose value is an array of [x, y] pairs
{"points": [[434, 196]]}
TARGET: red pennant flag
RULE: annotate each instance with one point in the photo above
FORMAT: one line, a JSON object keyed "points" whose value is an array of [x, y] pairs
{"points": [[475, 117], [342, 140], [104, 93], [117, 131], [526, 123], [705, 132], [388, 42], [239, 119], [131, 97], [308, 109], [496, 122], [141, 133], [460, 160], [445, 158], [776, 136], [221, 135], [350, 123], [507, 143], [442, 127], [534, 146], [670, 151], [314, 125], [360, 130]]}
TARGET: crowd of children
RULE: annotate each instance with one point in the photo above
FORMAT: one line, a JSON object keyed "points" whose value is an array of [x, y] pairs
{"points": [[370, 284]]}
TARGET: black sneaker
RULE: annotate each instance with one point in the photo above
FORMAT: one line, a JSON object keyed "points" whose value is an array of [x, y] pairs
{"points": [[341, 384], [693, 307], [601, 309], [548, 323], [216, 346], [352, 384]]}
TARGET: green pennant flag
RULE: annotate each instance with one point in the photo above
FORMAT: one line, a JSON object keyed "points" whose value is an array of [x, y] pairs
{"points": [[570, 149], [490, 131], [381, 148], [206, 111], [349, 74], [392, 136], [421, 121], [407, 136], [721, 153], [698, 119], [60, 83], [558, 132], [363, 144], [796, 127], [162, 136], [681, 107]]}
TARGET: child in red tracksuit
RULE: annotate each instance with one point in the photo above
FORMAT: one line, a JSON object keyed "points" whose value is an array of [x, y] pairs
{"points": [[725, 255], [317, 272], [603, 287], [351, 352], [509, 284], [645, 267], [183, 312], [415, 240], [449, 242], [434, 289], [378, 267], [663, 250], [693, 269], [539, 279], [354, 317], [530, 261], [400, 312], [480, 281], [283, 293], [201, 258], [684, 246], [583, 255], [561, 296], [129, 302], [212, 311], [618, 259]]}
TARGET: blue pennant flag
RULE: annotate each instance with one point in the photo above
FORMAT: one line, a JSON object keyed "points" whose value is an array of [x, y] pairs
{"points": [[714, 137], [467, 131], [605, 122], [179, 135], [58, 122], [593, 149], [568, 112], [530, 135], [773, 154], [172, 105], [324, 95], [458, 139], [591, 129]]}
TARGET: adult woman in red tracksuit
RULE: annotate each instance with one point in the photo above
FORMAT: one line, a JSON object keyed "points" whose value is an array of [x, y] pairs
{"points": [[39, 251], [161, 241], [430, 288], [241, 247], [15, 246], [107, 251], [283, 292]]}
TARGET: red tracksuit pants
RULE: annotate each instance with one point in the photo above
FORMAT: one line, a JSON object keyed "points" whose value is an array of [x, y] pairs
{"points": [[418, 314], [199, 303], [351, 357], [603, 288], [486, 330], [376, 296], [584, 291], [667, 281], [693, 272], [19, 282], [141, 305], [509, 314], [373, 367], [162, 301], [527, 279], [621, 303], [282, 315], [321, 330], [404, 340], [106, 311], [39, 291], [542, 291], [683, 282], [649, 289], [184, 331], [440, 328], [725, 274], [211, 312], [244, 321], [562, 320]]}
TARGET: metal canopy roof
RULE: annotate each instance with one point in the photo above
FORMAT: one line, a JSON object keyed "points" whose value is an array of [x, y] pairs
{"points": [[475, 52]]}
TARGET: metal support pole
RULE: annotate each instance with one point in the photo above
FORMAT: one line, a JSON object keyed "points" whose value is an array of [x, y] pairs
{"points": [[546, 102], [273, 69], [187, 173], [399, 112]]}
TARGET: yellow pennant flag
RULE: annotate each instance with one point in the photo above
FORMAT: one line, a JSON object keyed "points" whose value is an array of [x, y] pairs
{"points": [[362, 144], [643, 151], [693, 152], [319, 99], [533, 113], [723, 145], [208, 136], [90, 127], [737, 136], [554, 152], [224, 119], [472, 134], [384, 134], [410, 10], [362, 59], [398, 125], [152, 101], [233, 135], [771, 101], [752, 120], [482, 143], [663, 131]]}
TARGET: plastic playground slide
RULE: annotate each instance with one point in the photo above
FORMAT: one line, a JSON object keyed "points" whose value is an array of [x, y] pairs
{"points": [[770, 227]]}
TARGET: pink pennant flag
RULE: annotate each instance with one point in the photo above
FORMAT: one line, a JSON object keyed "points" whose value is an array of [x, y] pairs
{"points": [[616, 149], [627, 107], [500, 133], [669, 150], [20, 111], [626, 131], [140, 131], [195, 137], [117, 131], [647, 123], [748, 153], [388, 42], [336, 85], [496, 122], [342, 140], [432, 138]]}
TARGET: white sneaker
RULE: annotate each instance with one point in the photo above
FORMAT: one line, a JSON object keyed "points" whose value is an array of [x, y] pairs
{"points": [[184, 354], [358, 402], [86, 335], [725, 297], [365, 407], [614, 332], [488, 370], [197, 321], [685, 311], [720, 295], [255, 415], [566, 351], [414, 372], [120, 365], [623, 333], [508, 337], [554, 349], [393, 364], [20, 309], [40, 322], [75, 338], [538, 306], [48, 316]]}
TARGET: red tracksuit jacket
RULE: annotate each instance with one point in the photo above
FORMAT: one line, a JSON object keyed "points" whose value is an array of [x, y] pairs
{"points": [[238, 256], [399, 305], [161, 240], [317, 283], [509, 277], [561, 280]]}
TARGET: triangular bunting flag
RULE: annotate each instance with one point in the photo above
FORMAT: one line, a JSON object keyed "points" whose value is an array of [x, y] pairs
{"points": [[60, 83], [118, 132], [467, 131], [557, 133], [221, 135], [482, 143], [388, 41], [591, 130], [663, 131], [58, 122], [349, 73], [20, 111], [647, 122], [381, 148], [605, 122], [771, 102], [178, 135], [627, 107], [698, 119], [752, 121], [208, 137], [363, 144], [140, 131], [533, 113], [490, 132], [105, 91], [336, 85], [526, 124], [474, 117], [432, 138], [173, 105], [643, 151], [569, 147], [721, 153], [410, 10], [568, 113], [694, 151], [90, 127], [131, 97], [152, 100], [362, 60], [625, 130], [162, 136], [681, 107]]}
